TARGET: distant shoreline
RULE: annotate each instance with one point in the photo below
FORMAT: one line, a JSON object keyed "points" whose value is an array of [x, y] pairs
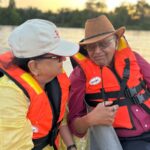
{"points": [[133, 16]]}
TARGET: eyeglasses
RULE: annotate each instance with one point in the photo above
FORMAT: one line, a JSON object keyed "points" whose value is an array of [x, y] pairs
{"points": [[59, 58], [103, 45]]}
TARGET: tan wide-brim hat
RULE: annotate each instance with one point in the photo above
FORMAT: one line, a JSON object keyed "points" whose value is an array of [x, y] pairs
{"points": [[99, 28]]}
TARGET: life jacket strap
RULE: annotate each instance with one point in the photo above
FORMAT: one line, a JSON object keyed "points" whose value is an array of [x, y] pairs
{"points": [[126, 74], [53, 134], [40, 143], [130, 92], [140, 98], [91, 96]]}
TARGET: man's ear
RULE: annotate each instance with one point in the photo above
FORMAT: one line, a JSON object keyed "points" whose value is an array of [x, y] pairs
{"points": [[32, 65]]}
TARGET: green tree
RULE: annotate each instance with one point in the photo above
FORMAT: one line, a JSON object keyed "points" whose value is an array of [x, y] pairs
{"points": [[141, 8], [133, 16], [141, 15], [96, 5], [12, 4], [121, 16], [9, 16]]}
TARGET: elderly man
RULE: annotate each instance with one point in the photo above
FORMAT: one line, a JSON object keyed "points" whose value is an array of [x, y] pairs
{"points": [[109, 74]]}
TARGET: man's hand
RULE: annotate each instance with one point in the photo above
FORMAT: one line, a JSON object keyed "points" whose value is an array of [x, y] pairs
{"points": [[102, 114]]}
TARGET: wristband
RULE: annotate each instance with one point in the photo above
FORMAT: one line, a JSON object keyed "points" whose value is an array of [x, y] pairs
{"points": [[71, 146]]}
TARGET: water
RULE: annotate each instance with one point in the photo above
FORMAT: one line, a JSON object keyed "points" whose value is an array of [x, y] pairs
{"points": [[138, 40]]}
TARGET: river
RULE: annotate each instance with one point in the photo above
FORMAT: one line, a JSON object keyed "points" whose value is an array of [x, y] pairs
{"points": [[138, 40]]}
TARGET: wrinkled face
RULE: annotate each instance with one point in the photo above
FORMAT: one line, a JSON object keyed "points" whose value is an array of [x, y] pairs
{"points": [[46, 67], [101, 53]]}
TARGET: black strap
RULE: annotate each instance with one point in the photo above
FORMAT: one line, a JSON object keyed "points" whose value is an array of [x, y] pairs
{"points": [[104, 96], [138, 100], [53, 134], [53, 91], [55, 102], [130, 92], [100, 34], [89, 97], [1, 74], [92, 103], [40, 143], [121, 102], [54, 94], [125, 78]]}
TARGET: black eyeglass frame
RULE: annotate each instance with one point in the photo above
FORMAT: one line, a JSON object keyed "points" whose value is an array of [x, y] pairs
{"points": [[59, 58]]}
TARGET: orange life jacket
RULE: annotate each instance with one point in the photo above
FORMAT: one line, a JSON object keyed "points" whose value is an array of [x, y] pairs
{"points": [[46, 111], [123, 84]]}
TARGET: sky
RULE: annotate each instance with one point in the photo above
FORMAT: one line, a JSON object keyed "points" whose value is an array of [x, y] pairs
{"points": [[54, 5]]}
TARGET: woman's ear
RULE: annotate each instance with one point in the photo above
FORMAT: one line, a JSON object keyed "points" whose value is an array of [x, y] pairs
{"points": [[33, 67], [117, 43]]}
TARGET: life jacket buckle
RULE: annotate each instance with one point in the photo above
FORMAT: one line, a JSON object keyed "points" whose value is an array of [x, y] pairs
{"points": [[130, 92], [139, 99]]}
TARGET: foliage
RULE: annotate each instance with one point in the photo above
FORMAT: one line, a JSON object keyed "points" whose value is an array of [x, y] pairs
{"points": [[96, 5], [121, 16], [135, 16], [11, 4], [9, 16]]}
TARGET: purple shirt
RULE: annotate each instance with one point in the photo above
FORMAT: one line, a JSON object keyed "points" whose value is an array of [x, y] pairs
{"points": [[77, 107]]}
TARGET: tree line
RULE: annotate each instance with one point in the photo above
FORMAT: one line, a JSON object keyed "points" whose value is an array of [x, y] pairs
{"points": [[133, 16]]}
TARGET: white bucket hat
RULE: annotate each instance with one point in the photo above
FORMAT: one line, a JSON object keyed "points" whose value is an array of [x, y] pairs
{"points": [[36, 37]]}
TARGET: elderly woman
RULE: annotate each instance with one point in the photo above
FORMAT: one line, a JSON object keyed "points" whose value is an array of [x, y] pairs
{"points": [[33, 86]]}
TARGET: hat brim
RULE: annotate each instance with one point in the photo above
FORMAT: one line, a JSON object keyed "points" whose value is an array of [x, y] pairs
{"points": [[119, 32], [65, 48]]}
